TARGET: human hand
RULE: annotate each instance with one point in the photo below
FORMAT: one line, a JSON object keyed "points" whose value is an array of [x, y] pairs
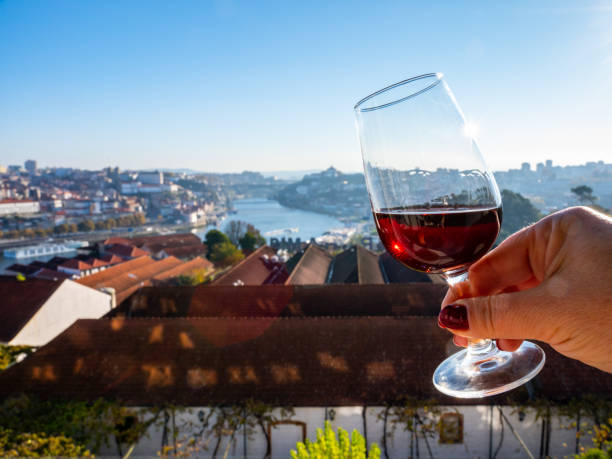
{"points": [[551, 282]]}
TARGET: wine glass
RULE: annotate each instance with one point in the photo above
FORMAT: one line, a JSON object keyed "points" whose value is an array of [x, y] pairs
{"points": [[437, 209]]}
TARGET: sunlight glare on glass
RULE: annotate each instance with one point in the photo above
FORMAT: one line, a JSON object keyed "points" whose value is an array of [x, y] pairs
{"points": [[470, 129]]}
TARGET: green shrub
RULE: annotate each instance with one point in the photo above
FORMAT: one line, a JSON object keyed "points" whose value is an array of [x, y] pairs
{"points": [[328, 445]]}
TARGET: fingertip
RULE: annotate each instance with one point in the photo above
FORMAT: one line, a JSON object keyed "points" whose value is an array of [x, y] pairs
{"points": [[460, 341], [509, 345]]}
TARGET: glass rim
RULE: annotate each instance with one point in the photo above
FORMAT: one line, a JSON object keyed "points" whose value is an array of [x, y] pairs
{"points": [[438, 78]]}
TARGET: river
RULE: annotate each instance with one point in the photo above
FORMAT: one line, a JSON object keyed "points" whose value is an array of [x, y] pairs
{"points": [[269, 217]]}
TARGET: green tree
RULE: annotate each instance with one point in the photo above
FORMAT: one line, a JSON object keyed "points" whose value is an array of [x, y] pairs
{"points": [[100, 225], [87, 225], [584, 194], [61, 229], [139, 219], [13, 234], [110, 223], [518, 212], [249, 242], [41, 232], [72, 228], [195, 278], [32, 427], [236, 230], [225, 254], [214, 237], [29, 232]]}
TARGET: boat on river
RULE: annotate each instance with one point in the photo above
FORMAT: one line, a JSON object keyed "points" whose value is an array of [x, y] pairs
{"points": [[279, 232]]}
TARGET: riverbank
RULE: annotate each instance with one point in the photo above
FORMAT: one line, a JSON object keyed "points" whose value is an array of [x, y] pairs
{"points": [[275, 220]]}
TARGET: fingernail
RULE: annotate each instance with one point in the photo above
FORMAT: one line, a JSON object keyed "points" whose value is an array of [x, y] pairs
{"points": [[454, 316]]}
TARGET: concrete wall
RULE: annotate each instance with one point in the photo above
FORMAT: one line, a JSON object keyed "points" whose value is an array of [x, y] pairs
{"points": [[481, 426], [71, 301]]}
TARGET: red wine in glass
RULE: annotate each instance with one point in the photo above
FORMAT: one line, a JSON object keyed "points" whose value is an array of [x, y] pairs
{"points": [[440, 239]]}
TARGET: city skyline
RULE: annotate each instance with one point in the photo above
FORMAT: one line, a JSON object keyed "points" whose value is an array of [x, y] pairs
{"points": [[533, 166], [231, 86]]}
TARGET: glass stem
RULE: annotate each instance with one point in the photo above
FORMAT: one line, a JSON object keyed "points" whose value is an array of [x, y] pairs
{"points": [[478, 348]]}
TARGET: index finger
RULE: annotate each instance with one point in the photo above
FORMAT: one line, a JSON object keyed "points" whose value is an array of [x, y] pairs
{"points": [[508, 267]]}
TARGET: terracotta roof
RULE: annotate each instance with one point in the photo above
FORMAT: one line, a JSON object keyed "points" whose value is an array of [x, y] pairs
{"points": [[355, 265], [96, 262], [155, 244], [117, 240], [312, 268], [284, 362], [395, 272], [20, 301], [51, 274], [210, 300], [111, 259], [186, 251], [186, 268], [99, 278], [128, 282], [75, 264], [125, 251], [13, 201], [253, 270]]}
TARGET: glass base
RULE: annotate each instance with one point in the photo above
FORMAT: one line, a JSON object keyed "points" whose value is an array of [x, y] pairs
{"points": [[490, 371]]}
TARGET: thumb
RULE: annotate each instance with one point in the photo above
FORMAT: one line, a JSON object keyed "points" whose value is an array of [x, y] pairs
{"points": [[519, 315]]}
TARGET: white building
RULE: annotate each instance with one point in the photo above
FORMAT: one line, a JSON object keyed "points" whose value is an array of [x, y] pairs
{"points": [[129, 188], [151, 178], [35, 311], [12, 206]]}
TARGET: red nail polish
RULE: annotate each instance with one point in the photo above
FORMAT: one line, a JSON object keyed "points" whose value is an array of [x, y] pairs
{"points": [[454, 316]]}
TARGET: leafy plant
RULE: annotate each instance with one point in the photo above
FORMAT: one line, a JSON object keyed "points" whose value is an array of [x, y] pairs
{"points": [[47, 425], [14, 444], [10, 354], [330, 445]]}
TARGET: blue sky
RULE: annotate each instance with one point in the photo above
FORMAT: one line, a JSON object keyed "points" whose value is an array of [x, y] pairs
{"points": [[259, 85]]}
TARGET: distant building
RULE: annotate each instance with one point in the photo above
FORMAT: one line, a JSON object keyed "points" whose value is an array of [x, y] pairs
{"points": [[14, 168], [540, 167], [34, 193], [129, 188], [138, 187], [3, 169], [549, 164], [76, 268], [13, 206], [525, 167], [31, 166], [151, 178]]}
